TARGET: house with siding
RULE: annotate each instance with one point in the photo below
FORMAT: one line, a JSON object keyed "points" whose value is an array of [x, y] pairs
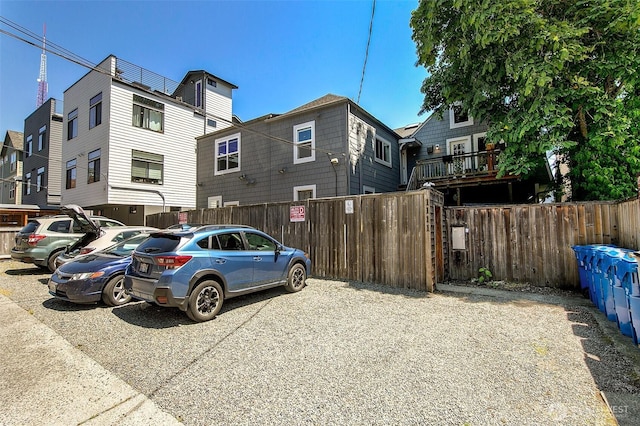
{"points": [[41, 160], [128, 142], [453, 155], [11, 167], [325, 148]]}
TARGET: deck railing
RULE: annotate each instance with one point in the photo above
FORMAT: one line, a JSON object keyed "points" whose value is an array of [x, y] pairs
{"points": [[475, 164]]}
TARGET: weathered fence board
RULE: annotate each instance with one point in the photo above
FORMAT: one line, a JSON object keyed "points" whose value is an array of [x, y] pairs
{"points": [[384, 238]]}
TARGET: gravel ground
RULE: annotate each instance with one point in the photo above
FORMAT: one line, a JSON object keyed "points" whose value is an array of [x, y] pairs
{"points": [[352, 353]]}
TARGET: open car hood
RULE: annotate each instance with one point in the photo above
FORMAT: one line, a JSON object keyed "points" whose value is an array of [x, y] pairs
{"points": [[81, 219]]}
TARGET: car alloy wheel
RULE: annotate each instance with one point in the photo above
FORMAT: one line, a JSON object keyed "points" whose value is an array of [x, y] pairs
{"points": [[205, 301], [297, 278]]}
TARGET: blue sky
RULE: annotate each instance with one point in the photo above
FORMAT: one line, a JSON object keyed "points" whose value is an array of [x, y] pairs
{"points": [[281, 54]]}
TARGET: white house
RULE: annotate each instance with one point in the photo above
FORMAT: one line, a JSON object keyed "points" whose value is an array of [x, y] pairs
{"points": [[128, 144]]}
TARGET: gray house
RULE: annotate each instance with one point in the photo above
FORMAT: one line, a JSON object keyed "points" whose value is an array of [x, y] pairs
{"points": [[328, 147], [453, 155], [11, 167], [41, 170]]}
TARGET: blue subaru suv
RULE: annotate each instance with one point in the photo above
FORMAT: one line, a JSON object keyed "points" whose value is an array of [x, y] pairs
{"points": [[195, 270]]}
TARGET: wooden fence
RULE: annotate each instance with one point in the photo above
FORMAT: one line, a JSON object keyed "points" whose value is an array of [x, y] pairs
{"points": [[378, 238], [407, 239], [533, 243]]}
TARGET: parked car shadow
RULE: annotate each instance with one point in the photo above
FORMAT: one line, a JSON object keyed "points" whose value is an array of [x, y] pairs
{"points": [[27, 271], [149, 315], [64, 306]]}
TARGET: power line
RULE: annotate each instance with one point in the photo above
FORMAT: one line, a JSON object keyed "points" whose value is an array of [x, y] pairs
{"points": [[72, 57], [366, 53]]}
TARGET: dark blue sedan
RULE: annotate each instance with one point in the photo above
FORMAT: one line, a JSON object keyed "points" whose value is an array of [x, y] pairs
{"points": [[96, 276]]}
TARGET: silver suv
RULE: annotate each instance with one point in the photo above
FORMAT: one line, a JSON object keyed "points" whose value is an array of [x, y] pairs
{"points": [[43, 239]]}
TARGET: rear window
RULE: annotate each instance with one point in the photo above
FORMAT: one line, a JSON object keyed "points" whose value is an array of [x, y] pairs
{"points": [[159, 244], [30, 227], [60, 226]]}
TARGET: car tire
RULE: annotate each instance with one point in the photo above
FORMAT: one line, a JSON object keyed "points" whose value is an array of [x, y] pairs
{"points": [[205, 301], [297, 278], [114, 293], [51, 262]]}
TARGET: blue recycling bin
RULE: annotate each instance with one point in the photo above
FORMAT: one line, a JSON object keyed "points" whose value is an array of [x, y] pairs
{"points": [[583, 258], [606, 259], [625, 287], [599, 259]]}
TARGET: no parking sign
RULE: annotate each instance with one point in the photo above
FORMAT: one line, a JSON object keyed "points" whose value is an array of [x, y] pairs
{"points": [[296, 213]]}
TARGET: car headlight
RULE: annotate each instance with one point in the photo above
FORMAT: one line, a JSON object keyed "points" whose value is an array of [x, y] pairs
{"points": [[86, 275]]}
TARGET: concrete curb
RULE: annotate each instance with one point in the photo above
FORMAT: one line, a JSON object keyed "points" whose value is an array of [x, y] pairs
{"points": [[48, 381]]}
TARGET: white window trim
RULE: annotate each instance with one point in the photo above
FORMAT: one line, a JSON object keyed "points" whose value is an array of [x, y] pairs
{"points": [[231, 203], [215, 155], [297, 127], [385, 142], [467, 144], [297, 189], [454, 125], [477, 136], [217, 199]]}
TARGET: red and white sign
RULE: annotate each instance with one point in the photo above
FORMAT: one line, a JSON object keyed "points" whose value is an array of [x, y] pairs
{"points": [[182, 217], [296, 213]]}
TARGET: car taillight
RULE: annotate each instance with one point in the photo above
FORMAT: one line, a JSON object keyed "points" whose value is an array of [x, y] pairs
{"points": [[86, 250], [172, 262], [34, 238]]}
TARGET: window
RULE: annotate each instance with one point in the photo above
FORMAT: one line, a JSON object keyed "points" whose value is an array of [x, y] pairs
{"points": [[301, 193], [95, 111], [459, 117], [93, 167], [480, 141], [71, 174], [231, 241], [211, 82], [42, 135], [383, 151], [228, 154], [258, 242], [40, 180], [198, 94], [27, 184], [304, 141], [12, 190], [214, 202], [28, 148], [146, 167], [368, 189], [72, 124], [14, 161], [211, 123], [148, 113]]}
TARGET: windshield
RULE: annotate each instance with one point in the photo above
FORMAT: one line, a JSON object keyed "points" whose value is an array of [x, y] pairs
{"points": [[125, 247]]}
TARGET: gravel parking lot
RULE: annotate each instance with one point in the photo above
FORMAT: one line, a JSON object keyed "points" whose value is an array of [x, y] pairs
{"points": [[350, 353]]}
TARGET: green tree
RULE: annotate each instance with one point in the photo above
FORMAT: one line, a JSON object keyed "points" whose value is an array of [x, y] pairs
{"points": [[548, 76]]}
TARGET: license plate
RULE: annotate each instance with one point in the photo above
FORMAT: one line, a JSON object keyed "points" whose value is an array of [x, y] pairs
{"points": [[144, 267]]}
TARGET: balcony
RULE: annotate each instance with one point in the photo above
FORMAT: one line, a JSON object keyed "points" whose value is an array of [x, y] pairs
{"points": [[458, 170]]}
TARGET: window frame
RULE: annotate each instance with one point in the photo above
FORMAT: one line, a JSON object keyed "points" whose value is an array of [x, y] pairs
{"points": [[42, 133], [72, 124], [452, 118], [71, 174], [27, 183], [304, 188], [384, 144], [197, 95], [148, 158], [93, 166], [145, 107], [95, 111], [217, 156], [13, 161], [311, 125], [28, 147], [40, 179]]}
